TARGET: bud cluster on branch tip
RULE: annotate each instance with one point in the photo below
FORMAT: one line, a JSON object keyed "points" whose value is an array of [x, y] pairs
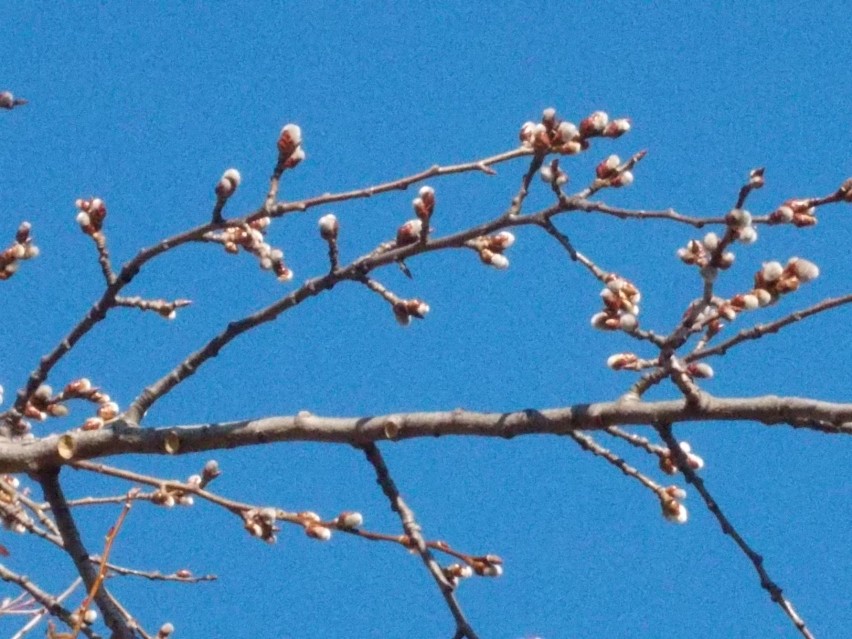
{"points": [[799, 213], [491, 248], [260, 523], [554, 175], [424, 204], [250, 237], [15, 518], [610, 172], [701, 252], [165, 631], [9, 101], [22, 249], [170, 496], [670, 500], [227, 184], [404, 310], [624, 362], [90, 215], [774, 280], [562, 136], [740, 225], [487, 565], [349, 520], [669, 466], [621, 305], [312, 524], [328, 227], [290, 151]]}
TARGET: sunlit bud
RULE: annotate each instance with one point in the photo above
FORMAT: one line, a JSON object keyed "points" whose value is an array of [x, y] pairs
{"points": [[567, 131], [846, 190], [781, 215], [599, 321], [492, 570], [295, 158], [747, 235], [804, 270], [594, 124], [617, 128], [31, 252], [625, 178], [526, 132], [268, 515], [108, 411], [571, 148], [57, 410], [700, 369], [607, 167], [83, 219], [771, 271], [211, 470], [289, 138], [502, 240], [628, 322], [90, 616], [728, 312], [165, 630], [726, 260], [350, 520], [711, 241], [548, 116], [764, 297], [546, 174], [409, 233], [499, 261], [194, 480], [802, 220], [738, 218], [328, 227], [747, 301], [756, 179], [283, 273], [621, 361], [228, 183], [93, 423], [318, 532]]}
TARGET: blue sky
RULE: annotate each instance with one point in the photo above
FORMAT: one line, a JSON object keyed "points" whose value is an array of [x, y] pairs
{"points": [[145, 106]]}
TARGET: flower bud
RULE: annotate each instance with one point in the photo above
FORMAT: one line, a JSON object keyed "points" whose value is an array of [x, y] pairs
{"points": [[328, 227]]}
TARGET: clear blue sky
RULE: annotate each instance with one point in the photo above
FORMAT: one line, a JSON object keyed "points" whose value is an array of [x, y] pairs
{"points": [[145, 106]]}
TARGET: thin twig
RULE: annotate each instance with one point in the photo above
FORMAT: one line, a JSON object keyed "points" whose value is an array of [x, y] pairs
{"points": [[413, 530], [756, 560]]}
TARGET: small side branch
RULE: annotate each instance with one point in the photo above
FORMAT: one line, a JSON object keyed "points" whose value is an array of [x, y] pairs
{"points": [[413, 530], [665, 431]]}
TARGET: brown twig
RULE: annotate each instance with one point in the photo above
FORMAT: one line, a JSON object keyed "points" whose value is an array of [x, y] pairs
{"points": [[413, 531], [665, 431]]}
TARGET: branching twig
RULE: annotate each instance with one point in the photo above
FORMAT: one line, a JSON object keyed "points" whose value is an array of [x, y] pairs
{"points": [[412, 529], [766, 582]]}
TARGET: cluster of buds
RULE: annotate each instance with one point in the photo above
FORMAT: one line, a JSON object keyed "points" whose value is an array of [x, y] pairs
{"points": [[671, 499], [621, 305], [611, 172], [14, 517], [290, 151], [799, 213], [774, 280], [90, 215], [669, 466], [404, 310], [554, 175], [349, 520], [44, 403], [313, 526], [424, 205], [260, 523], [22, 249], [491, 248], [170, 497], [562, 136], [700, 253], [740, 226], [250, 237], [227, 184], [8, 101]]}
